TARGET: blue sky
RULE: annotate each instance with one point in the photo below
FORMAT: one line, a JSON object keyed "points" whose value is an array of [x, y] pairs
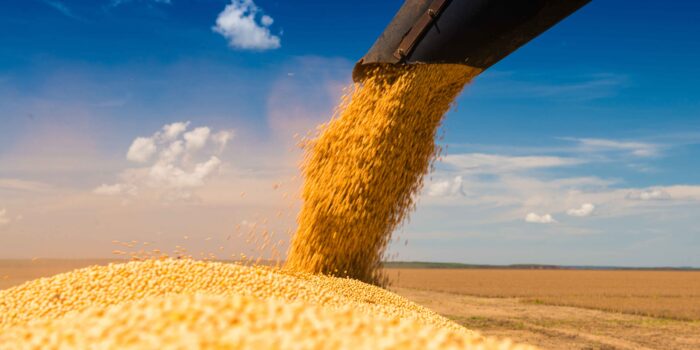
{"points": [[579, 148]]}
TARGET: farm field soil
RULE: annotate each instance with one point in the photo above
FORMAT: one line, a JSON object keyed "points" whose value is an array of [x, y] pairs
{"points": [[558, 327], [665, 294], [529, 306]]}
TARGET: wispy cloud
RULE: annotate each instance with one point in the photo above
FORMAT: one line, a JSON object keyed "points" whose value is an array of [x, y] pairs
{"points": [[595, 148], [449, 187], [245, 27], [634, 148], [581, 88], [63, 9], [508, 197], [4, 219], [499, 164], [535, 218], [585, 210], [651, 194], [23, 185], [508, 183], [633, 154], [116, 189]]}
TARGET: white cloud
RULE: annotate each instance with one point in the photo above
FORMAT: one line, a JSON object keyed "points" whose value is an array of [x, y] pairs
{"points": [[222, 138], [446, 187], [586, 209], [266, 20], [683, 192], [540, 219], [172, 131], [196, 139], [172, 152], [176, 171], [505, 198], [116, 189], [238, 23], [637, 149], [496, 164], [649, 194], [116, 3], [172, 176], [4, 220], [141, 150], [23, 185]]}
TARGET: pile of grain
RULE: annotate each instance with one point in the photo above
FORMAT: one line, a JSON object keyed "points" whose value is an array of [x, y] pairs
{"points": [[192, 304], [364, 168]]}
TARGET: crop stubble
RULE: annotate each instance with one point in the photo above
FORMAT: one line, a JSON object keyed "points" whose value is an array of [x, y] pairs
{"points": [[668, 294]]}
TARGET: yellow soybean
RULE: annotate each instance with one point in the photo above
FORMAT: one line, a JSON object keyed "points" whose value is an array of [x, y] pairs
{"points": [[366, 165]]}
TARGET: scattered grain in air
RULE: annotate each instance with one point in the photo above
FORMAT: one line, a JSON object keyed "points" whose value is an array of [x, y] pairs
{"points": [[352, 190]]}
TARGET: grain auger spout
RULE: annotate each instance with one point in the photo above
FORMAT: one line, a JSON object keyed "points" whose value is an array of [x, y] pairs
{"points": [[477, 33]]}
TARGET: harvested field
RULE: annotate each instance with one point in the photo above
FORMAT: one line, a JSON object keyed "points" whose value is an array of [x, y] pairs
{"points": [[18, 271], [559, 327], [666, 294]]}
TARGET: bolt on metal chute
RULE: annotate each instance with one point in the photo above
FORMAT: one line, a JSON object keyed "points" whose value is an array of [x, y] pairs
{"points": [[477, 33]]}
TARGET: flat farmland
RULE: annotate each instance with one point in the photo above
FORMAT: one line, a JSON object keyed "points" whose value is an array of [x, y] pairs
{"points": [[15, 272], [564, 309], [666, 294]]}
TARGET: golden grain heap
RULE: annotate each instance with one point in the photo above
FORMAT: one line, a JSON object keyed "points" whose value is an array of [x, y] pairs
{"points": [[366, 165], [187, 304]]}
